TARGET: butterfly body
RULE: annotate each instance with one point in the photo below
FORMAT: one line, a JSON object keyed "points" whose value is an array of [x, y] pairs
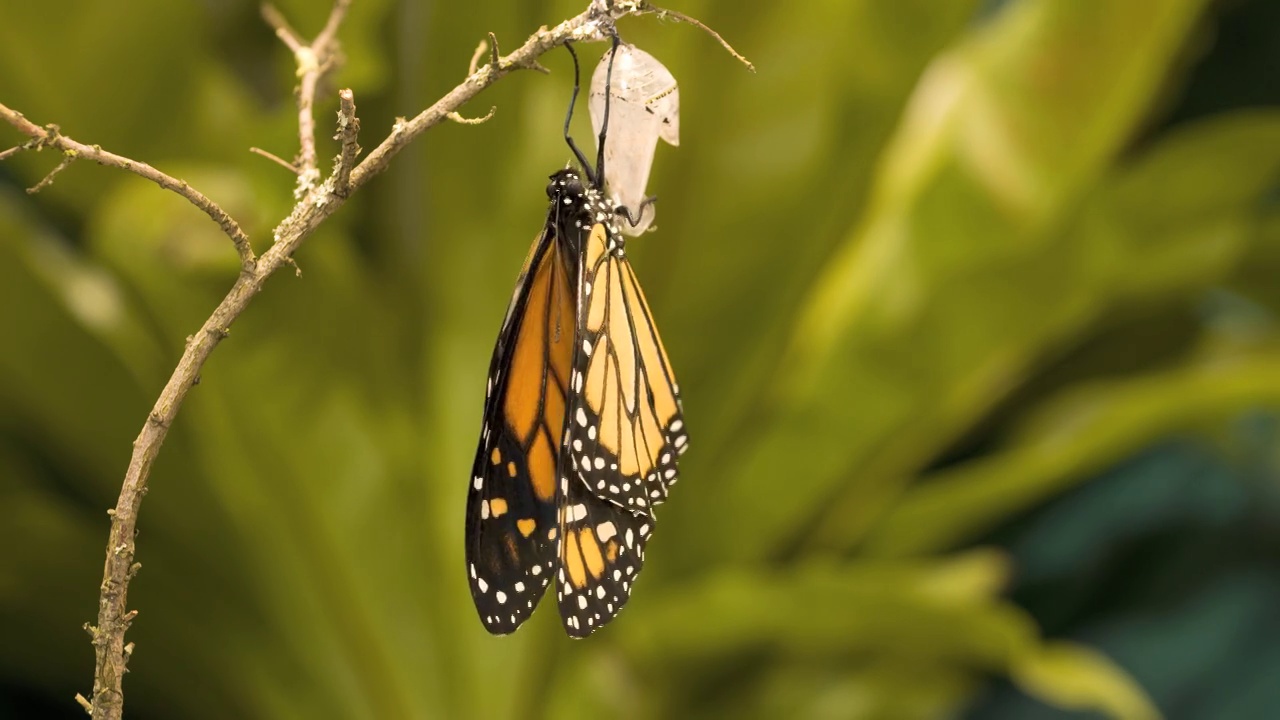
{"points": [[582, 427]]}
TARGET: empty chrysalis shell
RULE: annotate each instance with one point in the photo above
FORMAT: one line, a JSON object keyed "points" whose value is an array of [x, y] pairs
{"points": [[645, 106]]}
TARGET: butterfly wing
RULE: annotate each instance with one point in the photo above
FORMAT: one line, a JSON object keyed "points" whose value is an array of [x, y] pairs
{"points": [[622, 435], [511, 523], [626, 426], [600, 551]]}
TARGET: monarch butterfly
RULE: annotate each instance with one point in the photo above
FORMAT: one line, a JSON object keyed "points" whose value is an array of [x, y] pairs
{"points": [[582, 422]]}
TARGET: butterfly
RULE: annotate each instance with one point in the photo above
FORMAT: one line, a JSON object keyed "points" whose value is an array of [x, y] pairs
{"points": [[582, 422]]}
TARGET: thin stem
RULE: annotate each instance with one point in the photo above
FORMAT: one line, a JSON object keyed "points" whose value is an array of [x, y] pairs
{"points": [[50, 136], [275, 159], [591, 25], [663, 14], [316, 202], [313, 207], [349, 134], [314, 59]]}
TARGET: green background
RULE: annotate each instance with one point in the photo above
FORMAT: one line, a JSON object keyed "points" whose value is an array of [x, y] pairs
{"points": [[973, 307]]}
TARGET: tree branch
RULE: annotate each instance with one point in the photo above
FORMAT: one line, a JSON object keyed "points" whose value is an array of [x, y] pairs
{"points": [[592, 25], [50, 136], [349, 134], [316, 202], [314, 59], [663, 14]]}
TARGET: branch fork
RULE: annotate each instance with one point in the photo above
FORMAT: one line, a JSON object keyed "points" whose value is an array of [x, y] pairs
{"points": [[317, 200]]}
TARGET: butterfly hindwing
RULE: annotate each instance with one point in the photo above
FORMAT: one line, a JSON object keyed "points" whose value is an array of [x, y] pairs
{"points": [[511, 503], [600, 550]]}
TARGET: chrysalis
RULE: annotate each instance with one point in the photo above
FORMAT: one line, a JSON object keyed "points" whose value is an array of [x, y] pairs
{"points": [[645, 107]]}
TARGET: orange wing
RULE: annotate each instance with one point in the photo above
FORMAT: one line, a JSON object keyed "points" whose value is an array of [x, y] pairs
{"points": [[601, 551], [582, 428], [511, 524], [623, 432], [628, 427]]}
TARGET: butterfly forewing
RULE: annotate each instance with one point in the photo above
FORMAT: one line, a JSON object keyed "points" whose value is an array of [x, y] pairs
{"points": [[626, 427], [623, 430], [511, 503]]}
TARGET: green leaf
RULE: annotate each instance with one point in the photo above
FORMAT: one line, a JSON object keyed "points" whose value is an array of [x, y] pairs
{"points": [[1077, 678], [896, 351]]}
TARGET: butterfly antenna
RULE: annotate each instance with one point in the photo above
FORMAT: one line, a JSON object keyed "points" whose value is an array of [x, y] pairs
{"points": [[582, 159], [604, 126]]}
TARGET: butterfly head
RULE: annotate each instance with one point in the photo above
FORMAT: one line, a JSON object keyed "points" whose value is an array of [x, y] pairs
{"points": [[566, 188], [578, 205]]}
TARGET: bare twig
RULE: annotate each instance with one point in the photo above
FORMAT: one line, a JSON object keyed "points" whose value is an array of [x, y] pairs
{"points": [[349, 134], [456, 117], [284, 30], [663, 14], [67, 159], [592, 25], [481, 49], [495, 55], [316, 202], [51, 137], [6, 154], [315, 205], [314, 59], [275, 159], [330, 31]]}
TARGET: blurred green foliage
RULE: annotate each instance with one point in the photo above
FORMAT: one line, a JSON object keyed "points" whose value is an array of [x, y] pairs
{"points": [[972, 304]]}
